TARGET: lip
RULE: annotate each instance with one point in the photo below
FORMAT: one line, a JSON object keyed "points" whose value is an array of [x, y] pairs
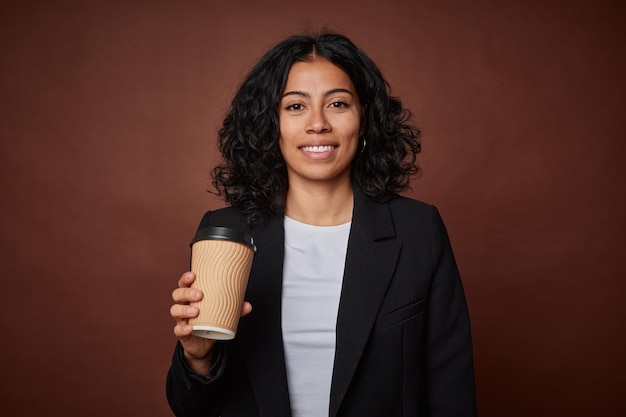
{"points": [[318, 150]]}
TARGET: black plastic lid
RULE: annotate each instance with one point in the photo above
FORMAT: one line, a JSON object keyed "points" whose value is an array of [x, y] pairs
{"points": [[224, 233]]}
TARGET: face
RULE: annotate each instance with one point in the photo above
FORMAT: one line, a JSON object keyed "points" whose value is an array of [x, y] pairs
{"points": [[320, 123]]}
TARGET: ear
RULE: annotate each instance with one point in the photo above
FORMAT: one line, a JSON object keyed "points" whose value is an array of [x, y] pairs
{"points": [[363, 120]]}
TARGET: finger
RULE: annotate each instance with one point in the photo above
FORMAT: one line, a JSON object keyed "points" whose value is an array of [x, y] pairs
{"points": [[246, 308], [183, 330], [186, 279], [186, 295], [183, 312]]}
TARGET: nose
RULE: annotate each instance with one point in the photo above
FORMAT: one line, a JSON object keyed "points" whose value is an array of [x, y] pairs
{"points": [[317, 122]]}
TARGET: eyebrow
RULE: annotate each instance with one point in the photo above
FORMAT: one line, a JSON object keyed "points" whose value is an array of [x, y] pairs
{"points": [[328, 93]]}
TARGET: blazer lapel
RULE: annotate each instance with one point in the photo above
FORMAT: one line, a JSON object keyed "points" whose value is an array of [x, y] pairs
{"points": [[370, 262], [263, 344]]}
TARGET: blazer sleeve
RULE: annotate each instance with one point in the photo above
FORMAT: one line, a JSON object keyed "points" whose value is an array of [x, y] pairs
{"points": [[449, 363], [190, 394]]}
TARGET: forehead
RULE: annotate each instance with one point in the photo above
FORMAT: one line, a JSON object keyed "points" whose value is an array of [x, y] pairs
{"points": [[317, 73]]}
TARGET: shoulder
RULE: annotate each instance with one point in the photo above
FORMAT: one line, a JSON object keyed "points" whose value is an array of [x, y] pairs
{"points": [[398, 216], [400, 202], [226, 217], [410, 208], [416, 217]]}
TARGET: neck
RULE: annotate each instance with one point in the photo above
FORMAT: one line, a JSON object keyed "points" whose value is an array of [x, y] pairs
{"points": [[320, 204]]}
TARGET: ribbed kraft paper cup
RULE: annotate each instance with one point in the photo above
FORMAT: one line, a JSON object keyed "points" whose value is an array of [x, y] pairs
{"points": [[221, 258]]}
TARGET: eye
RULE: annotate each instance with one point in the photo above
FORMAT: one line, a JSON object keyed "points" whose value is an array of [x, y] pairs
{"points": [[294, 107], [338, 104]]}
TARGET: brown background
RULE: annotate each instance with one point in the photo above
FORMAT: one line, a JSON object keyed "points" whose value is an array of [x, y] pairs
{"points": [[108, 119]]}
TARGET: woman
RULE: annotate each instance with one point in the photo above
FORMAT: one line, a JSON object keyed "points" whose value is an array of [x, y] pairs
{"points": [[358, 306]]}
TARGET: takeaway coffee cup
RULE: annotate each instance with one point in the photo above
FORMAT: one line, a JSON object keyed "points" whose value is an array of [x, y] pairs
{"points": [[221, 258]]}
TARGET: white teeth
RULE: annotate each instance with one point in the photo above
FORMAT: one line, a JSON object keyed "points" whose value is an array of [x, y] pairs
{"points": [[326, 148]]}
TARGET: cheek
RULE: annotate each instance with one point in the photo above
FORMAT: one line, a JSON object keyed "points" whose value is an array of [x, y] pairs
{"points": [[285, 150], [353, 148], [287, 132], [356, 134]]}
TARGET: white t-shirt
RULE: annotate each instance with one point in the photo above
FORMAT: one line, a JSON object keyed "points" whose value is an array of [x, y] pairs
{"points": [[312, 277]]}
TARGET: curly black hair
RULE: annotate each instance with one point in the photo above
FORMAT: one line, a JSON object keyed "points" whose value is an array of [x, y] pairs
{"points": [[253, 174]]}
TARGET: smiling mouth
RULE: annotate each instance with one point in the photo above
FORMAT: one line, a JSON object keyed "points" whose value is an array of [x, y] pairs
{"points": [[318, 149]]}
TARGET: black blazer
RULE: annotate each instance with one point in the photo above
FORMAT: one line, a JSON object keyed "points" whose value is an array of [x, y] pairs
{"points": [[403, 333]]}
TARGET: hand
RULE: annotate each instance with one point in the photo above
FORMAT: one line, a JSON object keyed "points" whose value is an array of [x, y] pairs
{"points": [[197, 350]]}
